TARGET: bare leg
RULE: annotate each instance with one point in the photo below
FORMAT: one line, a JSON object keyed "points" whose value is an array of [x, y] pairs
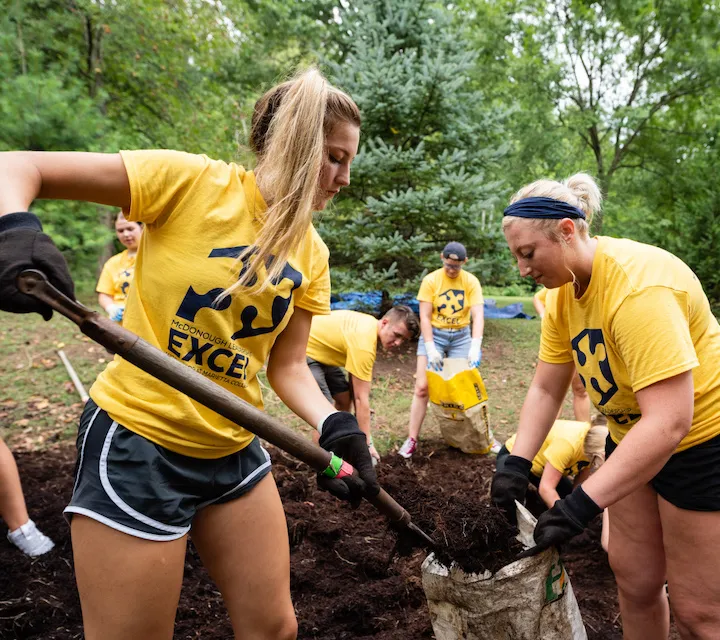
{"points": [[343, 401], [581, 399], [691, 540], [129, 587], [637, 558], [12, 502], [244, 545], [418, 408]]}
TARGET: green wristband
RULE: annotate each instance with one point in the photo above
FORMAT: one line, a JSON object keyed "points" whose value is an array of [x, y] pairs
{"points": [[334, 467]]}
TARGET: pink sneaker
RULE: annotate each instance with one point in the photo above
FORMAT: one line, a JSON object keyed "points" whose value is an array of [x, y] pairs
{"points": [[408, 448]]}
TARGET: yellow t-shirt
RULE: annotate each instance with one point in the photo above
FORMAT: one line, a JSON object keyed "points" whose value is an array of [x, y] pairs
{"points": [[199, 215], [541, 295], [644, 318], [116, 276], [451, 298], [345, 339], [563, 448]]}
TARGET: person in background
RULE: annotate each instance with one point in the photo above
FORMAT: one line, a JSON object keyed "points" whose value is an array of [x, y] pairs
{"points": [[451, 300], [581, 399], [349, 339], [635, 322], [22, 531], [117, 273], [571, 449]]}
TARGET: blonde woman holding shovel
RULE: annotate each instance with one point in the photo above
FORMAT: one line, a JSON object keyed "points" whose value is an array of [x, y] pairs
{"points": [[635, 322], [229, 275]]}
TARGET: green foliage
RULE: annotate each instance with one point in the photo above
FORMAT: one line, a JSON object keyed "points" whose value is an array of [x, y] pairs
{"points": [[424, 174]]}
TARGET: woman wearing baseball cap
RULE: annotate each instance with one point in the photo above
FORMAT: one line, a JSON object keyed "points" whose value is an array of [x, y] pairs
{"points": [[450, 298]]}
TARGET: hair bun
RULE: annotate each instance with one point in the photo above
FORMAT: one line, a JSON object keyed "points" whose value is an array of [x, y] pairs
{"points": [[585, 189]]}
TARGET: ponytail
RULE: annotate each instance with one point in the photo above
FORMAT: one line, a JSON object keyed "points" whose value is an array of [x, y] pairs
{"points": [[289, 126]]}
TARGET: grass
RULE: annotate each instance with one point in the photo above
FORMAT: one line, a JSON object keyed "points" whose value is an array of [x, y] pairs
{"points": [[39, 406]]}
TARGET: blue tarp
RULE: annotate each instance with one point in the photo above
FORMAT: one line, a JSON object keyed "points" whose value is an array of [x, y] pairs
{"points": [[370, 302]]}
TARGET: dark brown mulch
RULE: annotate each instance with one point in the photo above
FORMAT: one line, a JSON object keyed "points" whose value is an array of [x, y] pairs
{"points": [[334, 551]]}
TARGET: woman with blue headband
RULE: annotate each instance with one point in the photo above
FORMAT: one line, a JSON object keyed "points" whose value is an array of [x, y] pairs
{"points": [[636, 323]]}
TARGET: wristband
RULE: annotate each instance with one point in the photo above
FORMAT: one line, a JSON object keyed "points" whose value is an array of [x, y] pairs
{"points": [[333, 469]]}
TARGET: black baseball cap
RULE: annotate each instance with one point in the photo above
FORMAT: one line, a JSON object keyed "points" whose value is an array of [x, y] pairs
{"points": [[454, 251]]}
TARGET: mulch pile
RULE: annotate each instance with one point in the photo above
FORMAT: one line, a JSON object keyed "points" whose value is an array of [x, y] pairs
{"points": [[352, 576]]}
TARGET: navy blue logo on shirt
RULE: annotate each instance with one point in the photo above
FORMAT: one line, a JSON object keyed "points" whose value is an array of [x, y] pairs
{"points": [[452, 301], [194, 301], [589, 345]]}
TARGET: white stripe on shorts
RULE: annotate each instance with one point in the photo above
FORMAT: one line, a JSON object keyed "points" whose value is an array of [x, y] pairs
{"points": [[82, 451], [119, 501], [263, 466], [121, 527]]}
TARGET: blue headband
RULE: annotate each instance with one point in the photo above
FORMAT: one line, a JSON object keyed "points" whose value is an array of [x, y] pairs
{"points": [[547, 208]]}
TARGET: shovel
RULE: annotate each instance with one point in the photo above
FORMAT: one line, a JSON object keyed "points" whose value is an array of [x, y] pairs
{"points": [[193, 384]]}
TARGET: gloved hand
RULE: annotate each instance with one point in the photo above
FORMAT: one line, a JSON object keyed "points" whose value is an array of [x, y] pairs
{"points": [[115, 312], [566, 519], [435, 359], [509, 484], [341, 435], [475, 355], [23, 245]]}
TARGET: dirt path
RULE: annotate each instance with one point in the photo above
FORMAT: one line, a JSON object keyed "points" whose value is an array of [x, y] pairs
{"points": [[335, 552]]}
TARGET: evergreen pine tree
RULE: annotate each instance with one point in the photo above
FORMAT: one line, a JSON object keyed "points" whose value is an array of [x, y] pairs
{"points": [[428, 150]]}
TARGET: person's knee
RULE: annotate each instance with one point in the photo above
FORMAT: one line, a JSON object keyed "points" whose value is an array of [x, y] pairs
{"points": [[421, 390], [694, 617], [280, 626], [636, 585], [578, 388]]}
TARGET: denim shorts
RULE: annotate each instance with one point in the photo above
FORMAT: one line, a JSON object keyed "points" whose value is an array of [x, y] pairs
{"points": [[135, 486], [451, 343]]}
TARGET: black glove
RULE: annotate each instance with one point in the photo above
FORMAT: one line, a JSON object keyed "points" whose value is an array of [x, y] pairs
{"points": [[509, 484], [566, 519], [23, 245], [341, 435]]}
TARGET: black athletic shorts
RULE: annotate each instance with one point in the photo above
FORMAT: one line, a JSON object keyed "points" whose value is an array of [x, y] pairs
{"points": [[690, 479], [330, 379], [138, 487]]}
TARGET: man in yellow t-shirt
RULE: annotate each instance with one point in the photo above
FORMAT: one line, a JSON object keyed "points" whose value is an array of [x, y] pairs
{"points": [[348, 340], [450, 298], [117, 273]]}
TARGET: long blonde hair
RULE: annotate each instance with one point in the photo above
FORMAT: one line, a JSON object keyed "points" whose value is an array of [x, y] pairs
{"points": [[594, 445], [289, 125]]}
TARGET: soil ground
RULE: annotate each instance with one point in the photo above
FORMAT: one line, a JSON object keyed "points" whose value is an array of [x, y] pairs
{"points": [[347, 582]]}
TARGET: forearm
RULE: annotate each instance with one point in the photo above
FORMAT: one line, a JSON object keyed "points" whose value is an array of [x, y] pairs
{"points": [[549, 496], [536, 419], [105, 300], [20, 182], [296, 387], [426, 329], [638, 458], [478, 325]]}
